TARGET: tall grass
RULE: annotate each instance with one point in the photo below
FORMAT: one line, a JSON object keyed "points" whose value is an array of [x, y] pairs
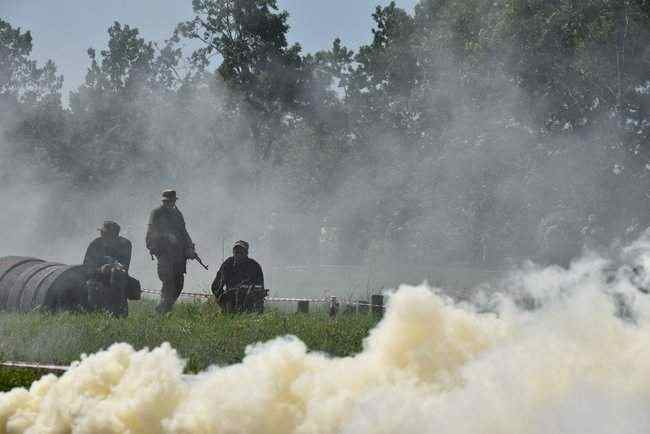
{"points": [[11, 377], [200, 333]]}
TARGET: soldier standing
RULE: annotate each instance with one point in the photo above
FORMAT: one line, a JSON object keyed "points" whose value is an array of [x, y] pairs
{"points": [[167, 239]]}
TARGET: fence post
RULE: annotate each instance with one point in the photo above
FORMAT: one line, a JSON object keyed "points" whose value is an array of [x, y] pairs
{"points": [[303, 306], [362, 307], [377, 304], [334, 306]]}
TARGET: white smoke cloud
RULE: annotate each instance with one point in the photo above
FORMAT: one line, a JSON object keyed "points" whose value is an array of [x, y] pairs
{"points": [[430, 366]]}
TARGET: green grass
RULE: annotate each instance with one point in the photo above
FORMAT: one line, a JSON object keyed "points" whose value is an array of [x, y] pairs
{"points": [[197, 331], [11, 378]]}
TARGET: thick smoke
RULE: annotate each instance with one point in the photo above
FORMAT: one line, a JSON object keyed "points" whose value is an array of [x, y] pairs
{"points": [[476, 192], [574, 364], [55, 219]]}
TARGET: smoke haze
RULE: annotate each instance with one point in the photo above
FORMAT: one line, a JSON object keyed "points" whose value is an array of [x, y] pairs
{"points": [[572, 365], [454, 173], [459, 163], [224, 199]]}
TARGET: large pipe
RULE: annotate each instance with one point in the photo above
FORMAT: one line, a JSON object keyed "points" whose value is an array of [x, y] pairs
{"points": [[30, 283]]}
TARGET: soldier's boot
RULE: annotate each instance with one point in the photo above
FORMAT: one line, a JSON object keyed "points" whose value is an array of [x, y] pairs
{"points": [[163, 307], [171, 290], [166, 299]]}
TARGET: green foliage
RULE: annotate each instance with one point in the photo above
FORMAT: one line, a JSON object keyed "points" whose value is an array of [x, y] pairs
{"points": [[389, 64], [20, 76], [14, 49], [433, 137], [200, 334], [11, 378], [257, 62], [581, 59], [32, 120], [110, 120]]}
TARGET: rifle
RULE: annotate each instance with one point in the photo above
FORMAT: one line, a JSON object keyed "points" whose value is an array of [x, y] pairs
{"points": [[198, 259]]}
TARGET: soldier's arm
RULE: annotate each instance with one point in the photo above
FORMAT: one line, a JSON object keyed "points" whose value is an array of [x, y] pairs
{"points": [[186, 236], [91, 259], [152, 237], [259, 278], [125, 254], [217, 284]]}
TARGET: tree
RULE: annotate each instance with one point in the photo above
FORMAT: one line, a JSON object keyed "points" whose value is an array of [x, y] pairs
{"points": [[387, 72], [20, 77], [579, 60], [257, 62], [110, 111], [31, 115]]}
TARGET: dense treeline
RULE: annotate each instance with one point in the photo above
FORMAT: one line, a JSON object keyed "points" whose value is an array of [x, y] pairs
{"points": [[468, 130]]}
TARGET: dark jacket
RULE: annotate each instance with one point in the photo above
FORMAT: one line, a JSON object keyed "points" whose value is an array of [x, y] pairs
{"points": [[231, 276], [166, 233], [103, 251]]}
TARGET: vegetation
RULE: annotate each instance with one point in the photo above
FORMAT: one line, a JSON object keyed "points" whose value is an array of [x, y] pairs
{"points": [[11, 378], [467, 131], [197, 331], [429, 142]]}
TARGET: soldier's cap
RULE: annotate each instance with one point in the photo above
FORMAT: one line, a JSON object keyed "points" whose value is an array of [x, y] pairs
{"points": [[111, 226], [242, 244], [169, 195]]}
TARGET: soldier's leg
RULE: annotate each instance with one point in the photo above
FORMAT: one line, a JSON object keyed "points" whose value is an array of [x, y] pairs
{"points": [[180, 282], [99, 292], [227, 303], [176, 287], [94, 291], [133, 289], [117, 304], [166, 276], [171, 290], [167, 298], [258, 303]]}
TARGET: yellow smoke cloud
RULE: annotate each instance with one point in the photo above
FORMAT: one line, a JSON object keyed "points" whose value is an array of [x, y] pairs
{"points": [[429, 367]]}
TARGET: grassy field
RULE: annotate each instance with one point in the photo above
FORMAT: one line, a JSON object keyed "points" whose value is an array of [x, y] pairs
{"points": [[11, 378], [197, 331]]}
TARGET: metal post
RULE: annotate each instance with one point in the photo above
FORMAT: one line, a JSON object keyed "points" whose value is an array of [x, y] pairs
{"points": [[377, 304], [362, 307], [303, 306], [334, 306]]}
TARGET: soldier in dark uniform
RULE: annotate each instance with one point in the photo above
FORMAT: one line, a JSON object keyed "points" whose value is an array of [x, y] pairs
{"points": [[107, 260], [167, 239], [243, 280]]}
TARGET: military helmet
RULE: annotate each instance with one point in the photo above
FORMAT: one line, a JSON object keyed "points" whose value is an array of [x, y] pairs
{"points": [[169, 195]]}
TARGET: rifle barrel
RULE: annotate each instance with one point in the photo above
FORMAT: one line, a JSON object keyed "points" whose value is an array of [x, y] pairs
{"points": [[198, 259]]}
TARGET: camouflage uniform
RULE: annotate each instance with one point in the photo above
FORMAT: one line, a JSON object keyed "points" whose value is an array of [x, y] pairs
{"points": [[107, 261], [167, 238]]}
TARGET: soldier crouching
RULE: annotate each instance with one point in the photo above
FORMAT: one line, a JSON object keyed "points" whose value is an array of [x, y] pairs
{"points": [[239, 284], [107, 260]]}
